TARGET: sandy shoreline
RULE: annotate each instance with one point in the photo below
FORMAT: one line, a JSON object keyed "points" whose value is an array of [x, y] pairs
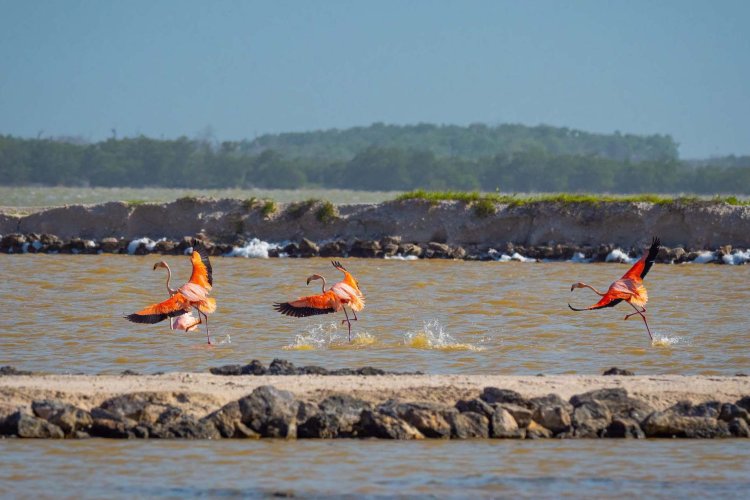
{"points": [[202, 393]]}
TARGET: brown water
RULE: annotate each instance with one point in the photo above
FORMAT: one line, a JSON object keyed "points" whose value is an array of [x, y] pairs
{"points": [[63, 313], [249, 469]]}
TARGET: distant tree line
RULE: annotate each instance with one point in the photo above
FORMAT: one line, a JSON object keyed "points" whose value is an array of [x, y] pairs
{"points": [[189, 163]]}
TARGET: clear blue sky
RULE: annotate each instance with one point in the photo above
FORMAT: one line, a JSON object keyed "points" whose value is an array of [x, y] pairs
{"points": [[239, 69]]}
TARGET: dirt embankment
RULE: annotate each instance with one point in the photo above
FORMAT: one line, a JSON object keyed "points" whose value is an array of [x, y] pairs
{"points": [[694, 225]]}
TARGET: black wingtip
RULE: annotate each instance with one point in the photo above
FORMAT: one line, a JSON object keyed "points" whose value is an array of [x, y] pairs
{"points": [[573, 308], [338, 265]]}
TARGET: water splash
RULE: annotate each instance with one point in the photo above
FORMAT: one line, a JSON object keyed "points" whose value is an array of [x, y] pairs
{"points": [[147, 242], [579, 258], [667, 341], [254, 249], [401, 257], [433, 336], [617, 255], [704, 258], [737, 258], [507, 258], [318, 337]]}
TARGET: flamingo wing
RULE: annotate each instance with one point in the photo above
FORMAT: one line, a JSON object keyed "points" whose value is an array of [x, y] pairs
{"points": [[176, 305], [312, 305], [642, 267], [348, 278], [606, 301], [202, 271]]}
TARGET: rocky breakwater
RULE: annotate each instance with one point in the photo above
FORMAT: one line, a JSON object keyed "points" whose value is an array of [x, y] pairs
{"points": [[330, 410], [408, 228]]}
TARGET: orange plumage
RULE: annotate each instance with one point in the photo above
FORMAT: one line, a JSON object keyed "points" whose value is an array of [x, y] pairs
{"points": [[629, 288]]}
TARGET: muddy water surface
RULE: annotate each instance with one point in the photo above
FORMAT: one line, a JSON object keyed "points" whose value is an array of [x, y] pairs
{"points": [[63, 313]]}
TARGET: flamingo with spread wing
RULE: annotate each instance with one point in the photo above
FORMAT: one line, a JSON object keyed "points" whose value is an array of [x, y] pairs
{"points": [[191, 295], [336, 298], [629, 288]]}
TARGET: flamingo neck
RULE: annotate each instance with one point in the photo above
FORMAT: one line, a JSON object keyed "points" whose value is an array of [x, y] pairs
{"points": [[169, 277], [594, 289], [323, 286]]}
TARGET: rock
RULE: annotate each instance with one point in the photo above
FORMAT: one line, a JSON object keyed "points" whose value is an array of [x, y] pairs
{"points": [[409, 249], [24, 425], [333, 249], [128, 406], [437, 250], [503, 425], [308, 248], [590, 419], [338, 416], [536, 431], [493, 395], [226, 370], [458, 253], [369, 370], [617, 371], [390, 240], [255, 367], [550, 400], [64, 415], [468, 425], [623, 428], [686, 420], [111, 428], [270, 412], [428, 418], [554, 417], [292, 249], [9, 370], [281, 367], [379, 425], [365, 248], [729, 412], [475, 405], [225, 420], [521, 415], [186, 427], [390, 249], [312, 370], [617, 402], [165, 247], [12, 243], [109, 245], [739, 428], [743, 403]]}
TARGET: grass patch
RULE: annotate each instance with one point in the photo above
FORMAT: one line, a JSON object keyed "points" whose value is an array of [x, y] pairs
{"points": [[269, 207], [327, 212], [300, 208], [266, 205], [135, 203], [485, 202]]}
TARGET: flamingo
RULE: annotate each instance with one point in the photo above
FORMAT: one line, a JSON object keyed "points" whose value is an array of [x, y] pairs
{"points": [[193, 294], [628, 288], [336, 298], [185, 321]]}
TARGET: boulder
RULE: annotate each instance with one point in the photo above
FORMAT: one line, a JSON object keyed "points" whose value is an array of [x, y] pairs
{"points": [[365, 248], [623, 428], [554, 417], [503, 425], [24, 425], [281, 367], [64, 415], [9, 370], [617, 371], [308, 248], [590, 419], [270, 412], [493, 395], [536, 431], [255, 367], [468, 425], [687, 421], [617, 402], [521, 415], [475, 405], [227, 420], [379, 425], [428, 418], [729, 412], [333, 249], [738, 427], [226, 370], [337, 416]]}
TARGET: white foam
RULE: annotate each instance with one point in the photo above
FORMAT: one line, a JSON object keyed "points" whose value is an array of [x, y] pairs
{"points": [[515, 257], [704, 257], [254, 249], [737, 258], [579, 258], [433, 336], [401, 257], [148, 242], [617, 255]]}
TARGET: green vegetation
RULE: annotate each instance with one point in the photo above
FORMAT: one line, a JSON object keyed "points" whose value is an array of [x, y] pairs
{"points": [[300, 208], [483, 201], [383, 158], [269, 208], [327, 212]]}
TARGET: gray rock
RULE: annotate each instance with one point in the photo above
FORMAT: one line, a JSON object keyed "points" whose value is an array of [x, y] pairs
{"points": [[743, 403], [110, 245], [731, 411], [623, 428], [550, 400], [739, 428], [64, 415], [365, 248], [390, 249], [24, 425], [186, 427], [493, 395], [111, 428], [617, 371], [468, 425], [337, 416], [225, 420], [281, 367], [555, 418], [333, 249], [503, 425], [270, 412], [438, 250], [129, 406], [379, 425], [308, 248], [255, 367], [312, 370], [427, 418], [590, 419], [687, 421], [9, 370], [475, 405], [409, 249], [617, 402], [226, 370], [521, 415], [536, 431]]}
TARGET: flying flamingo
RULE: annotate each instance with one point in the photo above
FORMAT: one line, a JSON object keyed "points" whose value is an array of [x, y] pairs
{"points": [[193, 294], [336, 298], [628, 288]]}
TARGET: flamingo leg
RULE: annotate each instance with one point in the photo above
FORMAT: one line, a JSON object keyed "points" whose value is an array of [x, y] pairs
{"points": [[644, 320], [348, 322], [208, 337]]}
